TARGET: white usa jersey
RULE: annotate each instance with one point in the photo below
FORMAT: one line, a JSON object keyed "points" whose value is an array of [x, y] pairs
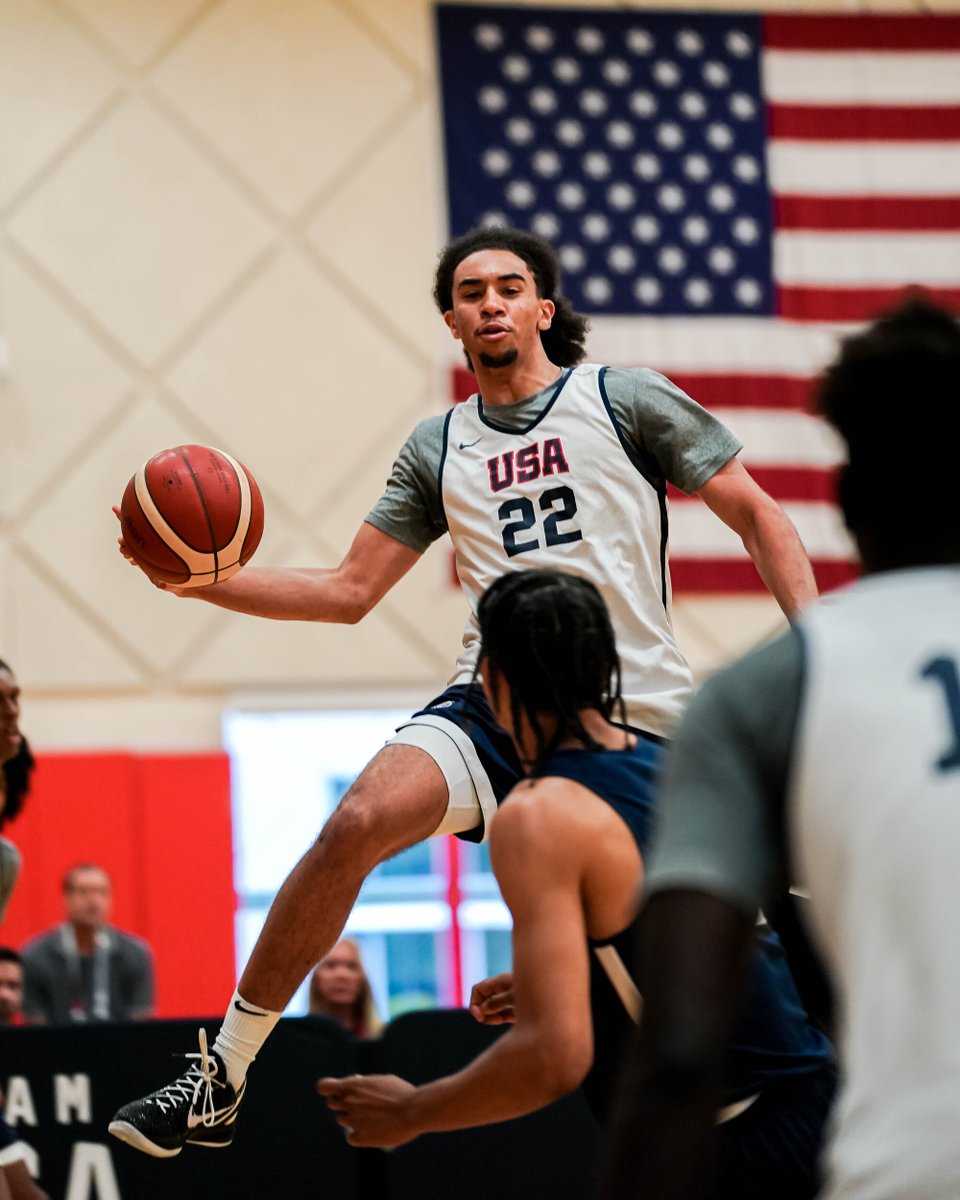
{"points": [[566, 493], [875, 832]]}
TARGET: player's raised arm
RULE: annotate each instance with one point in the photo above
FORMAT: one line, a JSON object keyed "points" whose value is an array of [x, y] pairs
{"points": [[340, 595], [767, 533]]}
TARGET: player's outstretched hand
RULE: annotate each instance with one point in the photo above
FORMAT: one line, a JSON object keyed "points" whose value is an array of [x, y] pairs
{"points": [[164, 587], [373, 1110], [491, 1001]]}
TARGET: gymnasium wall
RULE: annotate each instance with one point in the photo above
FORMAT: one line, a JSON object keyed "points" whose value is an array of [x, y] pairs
{"points": [[218, 221], [160, 825]]}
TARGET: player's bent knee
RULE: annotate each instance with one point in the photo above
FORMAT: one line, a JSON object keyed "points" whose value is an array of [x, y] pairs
{"points": [[393, 804]]}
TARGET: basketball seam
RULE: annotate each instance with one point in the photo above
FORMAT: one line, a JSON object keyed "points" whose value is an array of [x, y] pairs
{"points": [[206, 514], [202, 567], [242, 526], [180, 546]]}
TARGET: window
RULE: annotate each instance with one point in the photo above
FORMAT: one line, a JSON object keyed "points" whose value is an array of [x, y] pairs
{"points": [[289, 771]]}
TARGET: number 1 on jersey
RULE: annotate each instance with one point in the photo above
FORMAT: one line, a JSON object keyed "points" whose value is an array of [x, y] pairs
{"points": [[944, 671]]}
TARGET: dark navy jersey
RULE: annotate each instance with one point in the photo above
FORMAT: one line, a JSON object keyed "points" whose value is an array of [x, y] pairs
{"points": [[773, 1038]]}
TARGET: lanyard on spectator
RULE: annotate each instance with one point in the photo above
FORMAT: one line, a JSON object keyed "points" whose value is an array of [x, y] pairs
{"points": [[100, 985]]}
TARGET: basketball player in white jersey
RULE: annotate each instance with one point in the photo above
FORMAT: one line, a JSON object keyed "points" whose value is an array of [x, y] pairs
{"points": [[550, 464], [831, 759]]}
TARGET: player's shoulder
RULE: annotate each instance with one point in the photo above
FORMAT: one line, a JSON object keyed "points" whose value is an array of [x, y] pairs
{"points": [[545, 817], [631, 387], [429, 428], [637, 377], [529, 809], [425, 440], [755, 688], [41, 945]]}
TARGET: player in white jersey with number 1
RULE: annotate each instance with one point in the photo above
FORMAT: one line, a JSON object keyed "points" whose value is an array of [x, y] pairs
{"points": [[831, 759], [551, 463]]}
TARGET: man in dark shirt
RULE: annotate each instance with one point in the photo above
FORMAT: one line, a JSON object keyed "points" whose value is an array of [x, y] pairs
{"points": [[84, 969]]}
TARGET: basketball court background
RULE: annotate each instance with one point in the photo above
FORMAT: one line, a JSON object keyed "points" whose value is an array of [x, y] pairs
{"points": [[218, 223]]}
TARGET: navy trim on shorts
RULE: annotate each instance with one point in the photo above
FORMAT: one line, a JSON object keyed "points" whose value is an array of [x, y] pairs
{"points": [[467, 708]]}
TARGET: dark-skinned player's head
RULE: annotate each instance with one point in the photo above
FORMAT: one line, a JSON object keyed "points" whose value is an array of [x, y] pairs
{"points": [[548, 637], [563, 342], [891, 394]]}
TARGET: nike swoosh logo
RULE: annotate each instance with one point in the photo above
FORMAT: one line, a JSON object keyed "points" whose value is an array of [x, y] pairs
{"points": [[467, 445], [223, 1117], [251, 1012]]}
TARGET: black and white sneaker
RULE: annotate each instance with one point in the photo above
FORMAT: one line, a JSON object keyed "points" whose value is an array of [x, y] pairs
{"points": [[200, 1108]]}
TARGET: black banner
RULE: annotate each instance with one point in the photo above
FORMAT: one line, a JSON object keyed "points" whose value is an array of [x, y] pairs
{"points": [[64, 1084]]}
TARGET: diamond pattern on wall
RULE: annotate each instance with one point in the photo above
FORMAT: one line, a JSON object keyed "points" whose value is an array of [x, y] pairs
{"points": [[264, 83], [219, 221], [137, 31], [73, 533], [51, 82], [395, 249], [55, 399], [61, 643], [141, 230], [300, 414]]}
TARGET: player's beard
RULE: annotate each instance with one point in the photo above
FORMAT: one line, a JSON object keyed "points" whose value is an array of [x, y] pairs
{"points": [[507, 359]]}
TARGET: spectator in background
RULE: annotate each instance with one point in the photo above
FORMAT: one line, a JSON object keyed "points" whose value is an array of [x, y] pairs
{"points": [[11, 987], [17, 763], [84, 969], [340, 989]]}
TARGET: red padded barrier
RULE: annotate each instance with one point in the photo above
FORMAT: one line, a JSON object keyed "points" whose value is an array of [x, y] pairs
{"points": [[160, 824]]}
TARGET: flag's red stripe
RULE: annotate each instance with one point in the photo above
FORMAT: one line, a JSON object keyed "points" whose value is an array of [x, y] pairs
{"points": [[786, 484], [866, 212], [745, 391], [864, 123], [464, 383], [714, 575], [711, 390], [798, 483], [903, 32], [852, 304]]}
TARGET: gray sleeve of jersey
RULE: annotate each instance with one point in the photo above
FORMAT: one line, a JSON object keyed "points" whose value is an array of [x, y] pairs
{"points": [[661, 421], [725, 781], [410, 508]]}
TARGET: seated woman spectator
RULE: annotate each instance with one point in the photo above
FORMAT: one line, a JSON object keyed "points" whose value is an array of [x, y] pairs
{"points": [[340, 989]]}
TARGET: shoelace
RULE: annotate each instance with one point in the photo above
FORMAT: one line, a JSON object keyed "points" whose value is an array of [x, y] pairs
{"points": [[187, 1087]]}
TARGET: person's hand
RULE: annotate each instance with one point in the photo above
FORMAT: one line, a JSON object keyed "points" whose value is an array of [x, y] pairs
{"points": [[491, 1000], [373, 1110], [157, 583]]}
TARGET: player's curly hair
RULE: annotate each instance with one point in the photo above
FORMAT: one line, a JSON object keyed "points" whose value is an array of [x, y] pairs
{"points": [[563, 342], [902, 371], [548, 635]]}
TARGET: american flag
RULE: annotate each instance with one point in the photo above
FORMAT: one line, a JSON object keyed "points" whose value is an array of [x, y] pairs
{"points": [[728, 193]]}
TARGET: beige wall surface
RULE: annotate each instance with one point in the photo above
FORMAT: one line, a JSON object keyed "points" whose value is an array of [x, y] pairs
{"points": [[218, 221]]}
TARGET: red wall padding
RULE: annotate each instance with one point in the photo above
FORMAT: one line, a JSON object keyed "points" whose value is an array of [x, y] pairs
{"points": [[160, 824]]}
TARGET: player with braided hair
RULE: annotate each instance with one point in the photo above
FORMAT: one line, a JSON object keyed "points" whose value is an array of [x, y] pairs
{"points": [[567, 847], [519, 615]]}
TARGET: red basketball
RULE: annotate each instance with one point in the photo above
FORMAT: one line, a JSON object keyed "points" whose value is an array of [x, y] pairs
{"points": [[192, 516]]}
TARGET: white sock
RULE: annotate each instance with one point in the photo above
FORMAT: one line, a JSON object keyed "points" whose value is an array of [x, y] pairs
{"points": [[244, 1030]]}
